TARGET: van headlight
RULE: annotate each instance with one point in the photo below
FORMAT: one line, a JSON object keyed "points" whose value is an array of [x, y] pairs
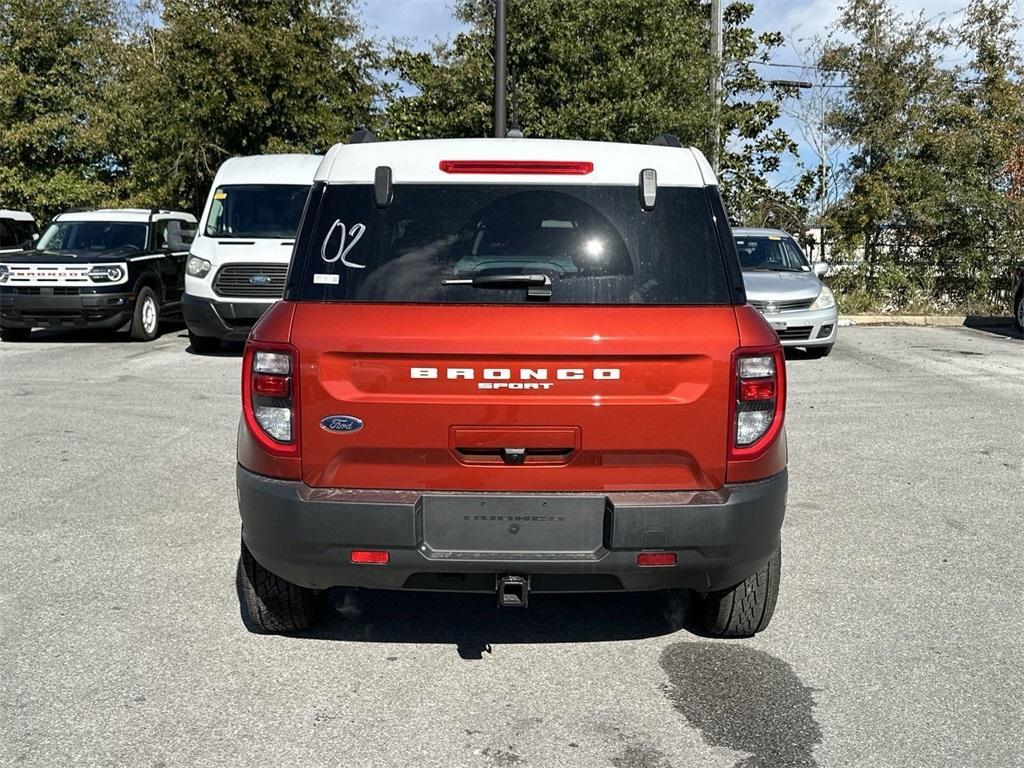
{"points": [[826, 299], [197, 267], [5, 273]]}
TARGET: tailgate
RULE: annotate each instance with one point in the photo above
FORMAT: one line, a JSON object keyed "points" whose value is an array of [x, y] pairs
{"points": [[514, 398]]}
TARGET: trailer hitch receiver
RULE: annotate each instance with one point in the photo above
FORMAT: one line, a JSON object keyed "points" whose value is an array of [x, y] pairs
{"points": [[513, 591]]}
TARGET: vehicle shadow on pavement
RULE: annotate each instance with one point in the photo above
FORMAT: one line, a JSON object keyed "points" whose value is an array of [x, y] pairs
{"points": [[1007, 329], [226, 349], [746, 700], [169, 328], [72, 336], [474, 622]]}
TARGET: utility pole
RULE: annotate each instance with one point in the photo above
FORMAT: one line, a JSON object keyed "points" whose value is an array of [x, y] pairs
{"points": [[715, 87], [500, 68]]}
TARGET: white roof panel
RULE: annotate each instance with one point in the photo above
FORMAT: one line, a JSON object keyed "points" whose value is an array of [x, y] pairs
{"points": [[16, 215], [418, 162], [123, 214], [268, 169]]}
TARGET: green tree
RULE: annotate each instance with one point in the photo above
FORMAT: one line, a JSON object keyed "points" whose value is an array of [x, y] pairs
{"points": [[892, 78], [977, 147], [930, 199], [55, 62], [606, 70], [219, 78]]}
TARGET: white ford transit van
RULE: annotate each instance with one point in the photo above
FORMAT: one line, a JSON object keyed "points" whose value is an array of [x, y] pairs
{"points": [[239, 259]]}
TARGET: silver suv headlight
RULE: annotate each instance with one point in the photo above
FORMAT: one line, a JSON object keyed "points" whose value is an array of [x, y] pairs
{"points": [[826, 299], [5, 273], [197, 267]]}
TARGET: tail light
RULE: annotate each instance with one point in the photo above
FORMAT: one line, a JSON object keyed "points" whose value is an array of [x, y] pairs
{"points": [[270, 397], [531, 167], [759, 400]]}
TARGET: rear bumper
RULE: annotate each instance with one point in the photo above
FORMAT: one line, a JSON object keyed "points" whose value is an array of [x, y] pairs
{"points": [[86, 310], [306, 535], [227, 320]]}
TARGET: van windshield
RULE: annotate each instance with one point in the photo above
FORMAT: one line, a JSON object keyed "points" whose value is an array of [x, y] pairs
{"points": [[256, 210], [594, 244]]}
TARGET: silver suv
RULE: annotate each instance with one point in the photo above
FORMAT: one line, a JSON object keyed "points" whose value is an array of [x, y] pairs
{"points": [[786, 289]]}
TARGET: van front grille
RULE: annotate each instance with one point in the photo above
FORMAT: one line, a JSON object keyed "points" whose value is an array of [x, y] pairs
{"points": [[251, 281]]}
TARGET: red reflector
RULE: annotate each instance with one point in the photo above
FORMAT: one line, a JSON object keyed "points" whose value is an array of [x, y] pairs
{"points": [[370, 556], [539, 167], [655, 559], [270, 385], [757, 389]]}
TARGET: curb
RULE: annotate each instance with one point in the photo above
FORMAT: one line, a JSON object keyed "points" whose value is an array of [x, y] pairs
{"points": [[938, 321]]}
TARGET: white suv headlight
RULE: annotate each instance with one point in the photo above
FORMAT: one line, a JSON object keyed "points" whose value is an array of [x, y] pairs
{"points": [[197, 267], [825, 300]]}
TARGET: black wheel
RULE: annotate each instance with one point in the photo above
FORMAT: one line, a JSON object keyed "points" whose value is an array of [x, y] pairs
{"points": [[270, 604], [146, 318], [203, 345], [1018, 310], [745, 609], [816, 353], [15, 334]]}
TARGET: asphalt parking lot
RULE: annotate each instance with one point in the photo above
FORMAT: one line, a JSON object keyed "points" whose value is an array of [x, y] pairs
{"points": [[897, 640]]}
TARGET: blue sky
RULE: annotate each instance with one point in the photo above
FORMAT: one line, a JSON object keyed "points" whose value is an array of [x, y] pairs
{"points": [[422, 21]]}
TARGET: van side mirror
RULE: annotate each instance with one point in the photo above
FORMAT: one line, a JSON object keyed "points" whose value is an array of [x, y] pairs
{"points": [[820, 268]]}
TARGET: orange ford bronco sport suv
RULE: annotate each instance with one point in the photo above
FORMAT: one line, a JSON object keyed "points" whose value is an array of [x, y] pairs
{"points": [[513, 366]]}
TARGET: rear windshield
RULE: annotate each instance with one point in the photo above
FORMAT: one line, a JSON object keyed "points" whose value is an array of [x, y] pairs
{"points": [[596, 244], [772, 253], [94, 236], [256, 210]]}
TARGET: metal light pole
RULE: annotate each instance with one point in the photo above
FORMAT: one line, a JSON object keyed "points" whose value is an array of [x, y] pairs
{"points": [[715, 86], [500, 69], [822, 157]]}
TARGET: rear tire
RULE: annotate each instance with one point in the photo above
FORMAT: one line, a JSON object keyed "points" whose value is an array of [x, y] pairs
{"points": [[146, 317], [747, 608], [1018, 310], [203, 345], [272, 605], [816, 353], [15, 334]]}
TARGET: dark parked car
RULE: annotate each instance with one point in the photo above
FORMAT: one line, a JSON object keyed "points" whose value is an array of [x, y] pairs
{"points": [[17, 230], [98, 269]]}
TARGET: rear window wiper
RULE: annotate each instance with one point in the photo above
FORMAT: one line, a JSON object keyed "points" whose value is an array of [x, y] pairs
{"points": [[538, 286]]}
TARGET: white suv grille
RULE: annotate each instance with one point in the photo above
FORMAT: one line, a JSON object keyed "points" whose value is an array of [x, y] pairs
{"points": [[41, 275]]}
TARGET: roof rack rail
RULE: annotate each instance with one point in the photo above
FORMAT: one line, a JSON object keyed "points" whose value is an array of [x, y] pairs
{"points": [[666, 140], [75, 210], [362, 135]]}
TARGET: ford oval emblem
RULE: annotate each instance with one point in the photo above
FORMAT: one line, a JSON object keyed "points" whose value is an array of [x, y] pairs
{"points": [[341, 424], [260, 279]]}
